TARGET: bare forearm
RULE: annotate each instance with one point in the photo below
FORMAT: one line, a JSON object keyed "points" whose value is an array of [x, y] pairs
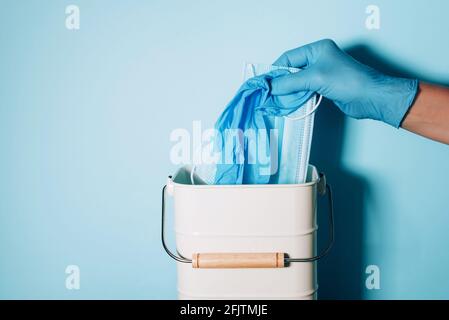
{"points": [[429, 115]]}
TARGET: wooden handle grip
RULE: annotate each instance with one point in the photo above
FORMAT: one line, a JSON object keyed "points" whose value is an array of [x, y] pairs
{"points": [[237, 260]]}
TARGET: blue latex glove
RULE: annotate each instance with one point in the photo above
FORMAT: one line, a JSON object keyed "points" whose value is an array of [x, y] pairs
{"points": [[358, 90], [252, 108]]}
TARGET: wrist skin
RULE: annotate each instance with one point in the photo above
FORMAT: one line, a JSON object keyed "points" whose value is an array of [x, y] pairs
{"points": [[429, 114]]}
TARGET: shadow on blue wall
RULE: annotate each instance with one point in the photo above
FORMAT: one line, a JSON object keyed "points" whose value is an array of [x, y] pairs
{"points": [[377, 60], [342, 274]]}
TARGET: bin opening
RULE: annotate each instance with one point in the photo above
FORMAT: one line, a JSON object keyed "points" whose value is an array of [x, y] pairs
{"points": [[183, 176]]}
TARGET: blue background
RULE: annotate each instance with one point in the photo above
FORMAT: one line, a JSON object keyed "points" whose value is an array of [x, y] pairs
{"points": [[85, 118]]}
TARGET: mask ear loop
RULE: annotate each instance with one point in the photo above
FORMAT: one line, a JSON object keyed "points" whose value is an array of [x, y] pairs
{"points": [[308, 113], [192, 178]]}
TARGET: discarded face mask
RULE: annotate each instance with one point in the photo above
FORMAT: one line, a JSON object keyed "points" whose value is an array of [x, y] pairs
{"points": [[261, 138]]}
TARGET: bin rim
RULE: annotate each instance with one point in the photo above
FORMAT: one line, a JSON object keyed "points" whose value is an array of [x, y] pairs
{"points": [[316, 177]]}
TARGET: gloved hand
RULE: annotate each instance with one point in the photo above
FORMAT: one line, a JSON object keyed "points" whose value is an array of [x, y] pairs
{"points": [[358, 90]]}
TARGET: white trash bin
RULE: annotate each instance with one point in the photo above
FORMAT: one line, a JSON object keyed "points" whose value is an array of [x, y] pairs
{"points": [[246, 241]]}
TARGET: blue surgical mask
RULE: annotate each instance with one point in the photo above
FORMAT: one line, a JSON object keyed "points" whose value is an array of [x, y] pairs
{"points": [[261, 138]]}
